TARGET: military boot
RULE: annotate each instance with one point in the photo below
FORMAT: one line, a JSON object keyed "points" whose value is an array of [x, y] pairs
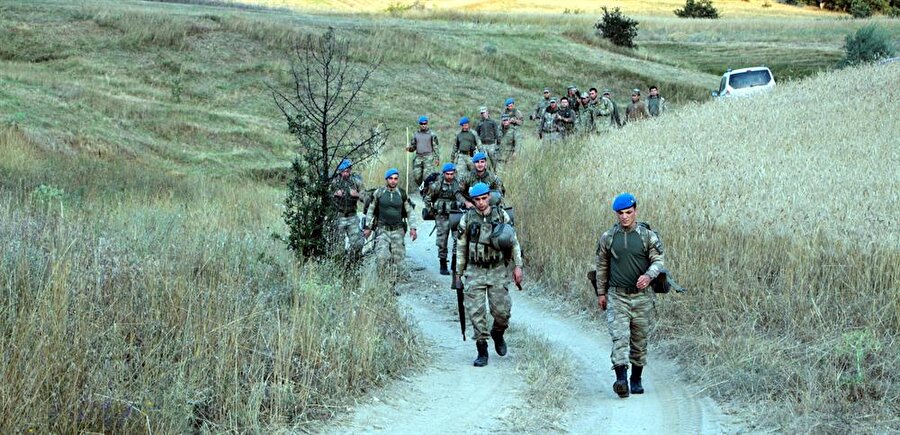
{"points": [[636, 387], [444, 270], [499, 342], [621, 384], [482, 359]]}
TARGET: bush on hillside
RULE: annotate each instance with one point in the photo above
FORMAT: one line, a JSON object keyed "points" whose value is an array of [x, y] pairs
{"points": [[860, 9], [619, 29], [698, 9], [868, 44]]}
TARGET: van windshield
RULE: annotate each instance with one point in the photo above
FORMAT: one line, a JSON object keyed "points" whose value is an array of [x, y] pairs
{"points": [[748, 79]]}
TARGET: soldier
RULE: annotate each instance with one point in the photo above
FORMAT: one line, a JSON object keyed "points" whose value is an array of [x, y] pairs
{"points": [[541, 106], [637, 110], [572, 95], [656, 104], [480, 175], [609, 110], [595, 98], [565, 118], [629, 257], [389, 215], [441, 199], [508, 141], [548, 130], [347, 186], [486, 243], [425, 144], [489, 132], [584, 124], [467, 144], [514, 115]]}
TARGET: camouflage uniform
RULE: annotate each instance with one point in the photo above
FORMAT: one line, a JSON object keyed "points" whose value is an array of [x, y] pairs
{"points": [[346, 222], [548, 128], [442, 198], [425, 145], [386, 215], [487, 177], [566, 121], [542, 105], [489, 132], [622, 256], [609, 113], [485, 272], [515, 116], [636, 111], [508, 143], [467, 144], [585, 123]]}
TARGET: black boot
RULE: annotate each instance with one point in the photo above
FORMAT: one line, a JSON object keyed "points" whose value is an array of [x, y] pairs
{"points": [[482, 359], [499, 342], [444, 270], [636, 387], [621, 384]]}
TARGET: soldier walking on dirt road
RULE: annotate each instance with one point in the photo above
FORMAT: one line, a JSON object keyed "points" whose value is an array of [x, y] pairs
{"points": [[389, 215], [486, 242], [629, 257]]}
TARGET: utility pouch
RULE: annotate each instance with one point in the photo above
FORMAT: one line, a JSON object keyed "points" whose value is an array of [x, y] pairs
{"points": [[484, 233]]}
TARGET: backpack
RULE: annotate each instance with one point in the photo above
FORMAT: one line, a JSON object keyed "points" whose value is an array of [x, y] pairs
{"points": [[431, 178], [663, 282]]}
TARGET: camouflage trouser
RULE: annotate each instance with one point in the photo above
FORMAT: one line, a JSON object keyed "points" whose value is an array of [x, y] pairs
{"points": [[628, 317], [463, 165], [490, 282], [491, 151], [390, 251], [348, 227], [422, 166], [442, 225]]}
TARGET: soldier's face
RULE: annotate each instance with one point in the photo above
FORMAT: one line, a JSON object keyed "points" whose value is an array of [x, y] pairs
{"points": [[345, 173], [480, 165], [553, 105], [449, 176], [484, 115], [482, 202], [585, 100], [654, 92], [506, 122], [511, 106], [546, 94], [627, 216], [423, 126], [564, 103], [393, 181], [593, 94], [465, 127], [635, 97]]}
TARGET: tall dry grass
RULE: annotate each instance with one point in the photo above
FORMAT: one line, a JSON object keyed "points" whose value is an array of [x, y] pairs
{"points": [[171, 309], [779, 213]]}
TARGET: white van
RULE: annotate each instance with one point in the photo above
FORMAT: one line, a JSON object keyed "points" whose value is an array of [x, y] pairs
{"points": [[745, 81]]}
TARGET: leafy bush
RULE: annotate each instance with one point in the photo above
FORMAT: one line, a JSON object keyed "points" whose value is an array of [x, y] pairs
{"points": [[698, 9], [860, 9], [619, 29], [868, 44]]}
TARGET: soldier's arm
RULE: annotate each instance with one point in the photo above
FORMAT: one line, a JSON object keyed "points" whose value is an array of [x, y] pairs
{"points": [[602, 265], [435, 146], [462, 245], [370, 211], [428, 198], [646, 111], [411, 218], [656, 256], [497, 131], [359, 186], [604, 109], [499, 184]]}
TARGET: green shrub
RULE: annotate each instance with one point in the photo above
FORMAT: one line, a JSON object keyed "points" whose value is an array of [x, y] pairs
{"points": [[619, 29], [698, 9], [868, 44], [860, 9]]}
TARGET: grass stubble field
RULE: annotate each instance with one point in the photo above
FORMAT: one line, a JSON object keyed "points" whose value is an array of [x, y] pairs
{"points": [[142, 286]]}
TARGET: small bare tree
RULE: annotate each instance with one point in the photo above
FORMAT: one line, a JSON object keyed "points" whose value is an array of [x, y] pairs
{"points": [[324, 111]]}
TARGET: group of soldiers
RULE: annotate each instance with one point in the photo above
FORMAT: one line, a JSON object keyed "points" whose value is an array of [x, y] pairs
{"points": [[488, 257]]}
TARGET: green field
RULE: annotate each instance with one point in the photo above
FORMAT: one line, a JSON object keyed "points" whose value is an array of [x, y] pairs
{"points": [[142, 180]]}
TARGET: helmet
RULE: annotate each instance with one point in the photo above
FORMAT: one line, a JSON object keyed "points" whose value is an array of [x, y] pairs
{"points": [[496, 196], [502, 237]]}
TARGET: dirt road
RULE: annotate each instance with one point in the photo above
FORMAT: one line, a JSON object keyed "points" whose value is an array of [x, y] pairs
{"points": [[451, 396]]}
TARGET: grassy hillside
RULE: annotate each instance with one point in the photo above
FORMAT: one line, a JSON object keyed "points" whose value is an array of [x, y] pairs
{"points": [[779, 213]]}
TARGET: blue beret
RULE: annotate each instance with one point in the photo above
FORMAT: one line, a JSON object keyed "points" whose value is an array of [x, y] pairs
{"points": [[423, 119], [623, 201], [448, 167], [391, 172], [345, 164], [509, 101], [478, 189], [479, 156], [463, 120]]}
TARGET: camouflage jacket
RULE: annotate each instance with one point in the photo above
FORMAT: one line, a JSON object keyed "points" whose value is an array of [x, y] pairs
{"points": [[472, 178], [515, 116], [346, 203], [508, 140], [542, 105], [548, 121], [652, 246], [473, 243], [441, 197], [585, 121]]}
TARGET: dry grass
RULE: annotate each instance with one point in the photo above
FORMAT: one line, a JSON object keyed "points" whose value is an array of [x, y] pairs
{"points": [[782, 224], [136, 300]]}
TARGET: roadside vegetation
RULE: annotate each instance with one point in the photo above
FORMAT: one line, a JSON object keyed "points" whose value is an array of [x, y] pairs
{"points": [[789, 252], [145, 166]]}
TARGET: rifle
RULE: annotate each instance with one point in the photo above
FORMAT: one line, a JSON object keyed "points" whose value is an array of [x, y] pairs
{"points": [[460, 305]]}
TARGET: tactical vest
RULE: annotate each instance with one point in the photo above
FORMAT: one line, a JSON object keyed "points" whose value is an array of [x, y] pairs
{"points": [[548, 124], [566, 126], [467, 142], [346, 204], [444, 197], [487, 131], [472, 178], [389, 207], [424, 142], [479, 229]]}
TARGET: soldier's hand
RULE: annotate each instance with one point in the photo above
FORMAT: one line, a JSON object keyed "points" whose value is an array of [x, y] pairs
{"points": [[643, 281], [354, 193], [517, 277], [437, 162], [339, 193], [410, 148], [412, 234], [601, 300], [367, 232], [469, 204]]}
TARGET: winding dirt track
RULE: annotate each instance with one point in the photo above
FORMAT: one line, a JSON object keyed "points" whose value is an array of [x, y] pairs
{"points": [[451, 396]]}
